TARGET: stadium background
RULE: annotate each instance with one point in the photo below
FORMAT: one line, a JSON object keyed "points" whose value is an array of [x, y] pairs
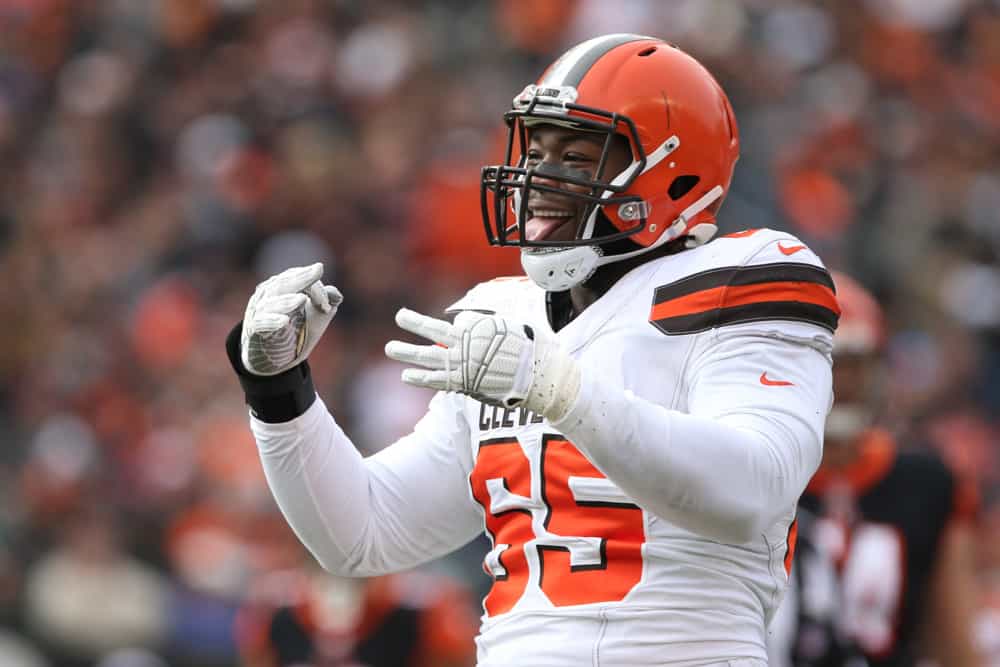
{"points": [[158, 158]]}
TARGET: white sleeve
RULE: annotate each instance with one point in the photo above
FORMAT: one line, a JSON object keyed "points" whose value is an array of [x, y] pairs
{"points": [[741, 456], [404, 506]]}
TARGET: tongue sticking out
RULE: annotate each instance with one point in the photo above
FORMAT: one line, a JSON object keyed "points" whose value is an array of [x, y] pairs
{"points": [[540, 228]]}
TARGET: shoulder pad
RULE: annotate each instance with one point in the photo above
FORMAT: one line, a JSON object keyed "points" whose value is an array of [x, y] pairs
{"points": [[750, 276], [763, 245]]}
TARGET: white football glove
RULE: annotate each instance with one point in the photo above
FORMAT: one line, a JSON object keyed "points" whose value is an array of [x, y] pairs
{"points": [[490, 359], [285, 318]]}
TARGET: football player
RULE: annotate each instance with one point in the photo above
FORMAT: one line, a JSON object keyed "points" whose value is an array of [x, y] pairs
{"points": [[895, 523], [631, 422]]}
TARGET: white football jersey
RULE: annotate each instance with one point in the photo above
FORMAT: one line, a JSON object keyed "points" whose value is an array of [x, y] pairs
{"points": [[575, 561], [735, 336]]}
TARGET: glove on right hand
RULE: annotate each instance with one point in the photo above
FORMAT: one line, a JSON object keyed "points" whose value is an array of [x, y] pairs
{"points": [[490, 359]]}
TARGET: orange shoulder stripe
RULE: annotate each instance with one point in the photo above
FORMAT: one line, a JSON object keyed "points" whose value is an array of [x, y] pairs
{"points": [[725, 297], [731, 295]]}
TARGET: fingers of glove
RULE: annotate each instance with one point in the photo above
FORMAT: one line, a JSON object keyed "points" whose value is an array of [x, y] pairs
{"points": [[439, 380], [430, 328], [317, 297], [333, 296], [289, 281], [325, 298], [428, 356], [285, 304]]}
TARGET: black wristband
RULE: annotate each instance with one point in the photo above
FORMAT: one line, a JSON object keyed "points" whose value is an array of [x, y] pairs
{"points": [[273, 398]]}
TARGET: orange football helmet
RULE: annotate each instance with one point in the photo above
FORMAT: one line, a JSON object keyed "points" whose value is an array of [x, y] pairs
{"points": [[861, 329], [681, 132], [859, 369]]}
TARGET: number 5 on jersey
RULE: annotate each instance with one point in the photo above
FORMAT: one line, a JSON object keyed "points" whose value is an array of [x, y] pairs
{"points": [[589, 544]]}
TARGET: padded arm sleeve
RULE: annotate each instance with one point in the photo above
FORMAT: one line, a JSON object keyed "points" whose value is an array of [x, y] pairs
{"points": [[404, 506], [738, 460]]}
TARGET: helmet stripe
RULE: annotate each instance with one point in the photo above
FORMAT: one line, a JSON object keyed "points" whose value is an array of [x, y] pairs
{"points": [[571, 67]]}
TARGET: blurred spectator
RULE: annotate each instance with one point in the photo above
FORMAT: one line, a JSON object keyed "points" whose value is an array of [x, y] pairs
{"points": [[402, 620], [88, 596], [17, 652], [896, 523]]}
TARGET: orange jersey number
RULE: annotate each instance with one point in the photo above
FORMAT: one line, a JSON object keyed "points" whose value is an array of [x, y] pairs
{"points": [[589, 548]]}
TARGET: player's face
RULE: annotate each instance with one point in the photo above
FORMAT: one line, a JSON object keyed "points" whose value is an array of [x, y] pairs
{"points": [[851, 378], [857, 402], [553, 217]]}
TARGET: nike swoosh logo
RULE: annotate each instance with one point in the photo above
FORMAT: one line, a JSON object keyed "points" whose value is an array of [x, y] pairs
{"points": [[767, 382], [740, 235], [791, 250]]}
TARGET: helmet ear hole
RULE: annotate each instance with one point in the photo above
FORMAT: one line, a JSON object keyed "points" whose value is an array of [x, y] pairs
{"points": [[682, 185]]}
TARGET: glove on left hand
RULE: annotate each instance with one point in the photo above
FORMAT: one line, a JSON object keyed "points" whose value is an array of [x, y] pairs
{"points": [[490, 359], [285, 318]]}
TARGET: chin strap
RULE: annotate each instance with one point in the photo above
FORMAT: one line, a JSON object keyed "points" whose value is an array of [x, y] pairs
{"points": [[559, 269], [698, 234], [701, 233]]}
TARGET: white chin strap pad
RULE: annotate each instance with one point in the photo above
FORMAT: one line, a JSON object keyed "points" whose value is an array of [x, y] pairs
{"points": [[558, 269]]}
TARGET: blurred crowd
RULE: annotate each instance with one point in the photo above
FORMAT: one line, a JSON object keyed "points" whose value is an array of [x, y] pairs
{"points": [[158, 158]]}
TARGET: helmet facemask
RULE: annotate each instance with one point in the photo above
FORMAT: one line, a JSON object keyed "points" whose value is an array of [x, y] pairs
{"points": [[505, 193], [505, 188]]}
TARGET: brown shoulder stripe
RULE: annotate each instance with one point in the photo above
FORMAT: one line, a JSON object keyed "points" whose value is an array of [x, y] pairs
{"points": [[735, 295]]}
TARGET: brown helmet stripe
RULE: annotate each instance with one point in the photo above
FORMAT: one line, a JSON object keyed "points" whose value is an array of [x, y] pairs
{"points": [[571, 67]]}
